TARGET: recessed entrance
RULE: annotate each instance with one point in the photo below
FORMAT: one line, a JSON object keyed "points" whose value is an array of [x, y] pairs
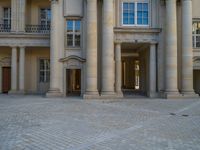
{"points": [[6, 79], [135, 69], [73, 77]]}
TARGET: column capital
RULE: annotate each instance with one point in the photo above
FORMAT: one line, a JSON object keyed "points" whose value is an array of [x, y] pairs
{"points": [[22, 46], [13, 46], [118, 42], [53, 1], [153, 43]]}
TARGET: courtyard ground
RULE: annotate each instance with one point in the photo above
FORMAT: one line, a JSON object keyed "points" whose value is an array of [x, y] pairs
{"points": [[37, 123]]}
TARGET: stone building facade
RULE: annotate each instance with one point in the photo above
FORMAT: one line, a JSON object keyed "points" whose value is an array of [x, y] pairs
{"points": [[100, 48]]}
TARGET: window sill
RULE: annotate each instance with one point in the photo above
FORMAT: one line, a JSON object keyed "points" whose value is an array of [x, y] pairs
{"points": [[73, 48]]}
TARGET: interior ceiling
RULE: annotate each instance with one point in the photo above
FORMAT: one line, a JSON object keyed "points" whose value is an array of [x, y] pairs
{"points": [[134, 47]]}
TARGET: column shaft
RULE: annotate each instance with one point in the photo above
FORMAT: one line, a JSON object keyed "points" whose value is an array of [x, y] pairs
{"points": [[21, 15], [14, 70], [187, 50], [21, 69], [91, 51], [14, 15], [171, 49], [108, 69], [152, 69], [54, 90], [118, 69]]}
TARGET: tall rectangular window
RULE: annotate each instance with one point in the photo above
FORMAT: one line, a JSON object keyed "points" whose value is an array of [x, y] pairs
{"points": [[45, 16], [135, 13], [7, 16], [142, 14], [128, 13], [73, 37], [196, 33], [44, 72]]}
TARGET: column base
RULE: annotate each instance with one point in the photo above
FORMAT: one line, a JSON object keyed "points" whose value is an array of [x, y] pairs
{"points": [[189, 94], [172, 95], [111, 95], [16, 92], [53, 93], [120, 94], [153, 95], [91, 95]]}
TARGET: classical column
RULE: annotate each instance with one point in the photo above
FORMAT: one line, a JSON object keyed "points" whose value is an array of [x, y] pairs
{"points": [[118, 69], [152, 71], [21, 15], [14, 15], [1, 78], [54, 90], [14, 70], [21, 69], [171, 82], [91, 50], [108, 69], [187, 49]]}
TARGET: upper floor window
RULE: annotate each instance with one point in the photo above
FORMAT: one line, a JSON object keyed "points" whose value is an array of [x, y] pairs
{"points": [[7, 16], [196, 34], [135, 13], [45, 16], [73, 36]]}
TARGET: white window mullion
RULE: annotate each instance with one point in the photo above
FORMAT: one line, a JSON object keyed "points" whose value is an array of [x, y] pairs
{"points": [[135, 13], [73, 33]]}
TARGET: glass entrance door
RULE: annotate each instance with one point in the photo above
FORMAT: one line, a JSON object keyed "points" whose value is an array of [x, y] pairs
{"points": [[73, 82]]}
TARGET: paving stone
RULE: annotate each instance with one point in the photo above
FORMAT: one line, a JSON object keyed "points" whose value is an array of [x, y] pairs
{"points": [[37, 123]]}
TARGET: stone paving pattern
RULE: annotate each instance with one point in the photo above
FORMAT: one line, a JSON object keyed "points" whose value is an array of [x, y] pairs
{"points": [[37, 123]]}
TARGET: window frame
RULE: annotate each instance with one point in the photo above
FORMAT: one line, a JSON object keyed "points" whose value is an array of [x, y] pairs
{"points": [[73, 33], [7, 18], [195, 35], [46, 17], [46, 70], [135, 13]]}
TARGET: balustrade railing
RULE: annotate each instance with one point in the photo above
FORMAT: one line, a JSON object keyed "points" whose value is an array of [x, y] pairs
{"points": [[5, 28], [43, 29]]}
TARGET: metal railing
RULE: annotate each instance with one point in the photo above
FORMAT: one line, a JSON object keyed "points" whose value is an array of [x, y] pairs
{"points": [[42, 29], [5, 28]]}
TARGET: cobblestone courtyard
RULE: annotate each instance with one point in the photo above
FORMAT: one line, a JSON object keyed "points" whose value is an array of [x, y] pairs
{"points": [[36, 123]]}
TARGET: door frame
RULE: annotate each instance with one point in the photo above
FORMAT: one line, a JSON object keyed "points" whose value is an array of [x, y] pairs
{"points": [[4, 62]]}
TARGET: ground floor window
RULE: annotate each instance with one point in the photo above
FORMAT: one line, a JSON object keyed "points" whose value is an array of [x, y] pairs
{"points": [[44, 72], [196, 33]]}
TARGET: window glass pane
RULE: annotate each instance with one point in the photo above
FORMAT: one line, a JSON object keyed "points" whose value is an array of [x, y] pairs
{"points": [[131, 6], [49, 15], [77, 26], [77, 40], [145, 21], [145, 6], [145, 14], [132, 21], [128, 13], [69, 26], [125, 20], [69, 40], [41, 76], [139, 21], [48, 76], [41, 64], [142, 14], [139, 14], [139, 7], [125, 6]]}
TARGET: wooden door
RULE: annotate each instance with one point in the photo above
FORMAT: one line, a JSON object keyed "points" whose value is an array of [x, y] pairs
{"points": [[6, 79]]}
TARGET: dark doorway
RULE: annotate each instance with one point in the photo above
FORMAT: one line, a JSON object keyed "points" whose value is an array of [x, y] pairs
{"points": [[73, 82], [6, 79]]}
